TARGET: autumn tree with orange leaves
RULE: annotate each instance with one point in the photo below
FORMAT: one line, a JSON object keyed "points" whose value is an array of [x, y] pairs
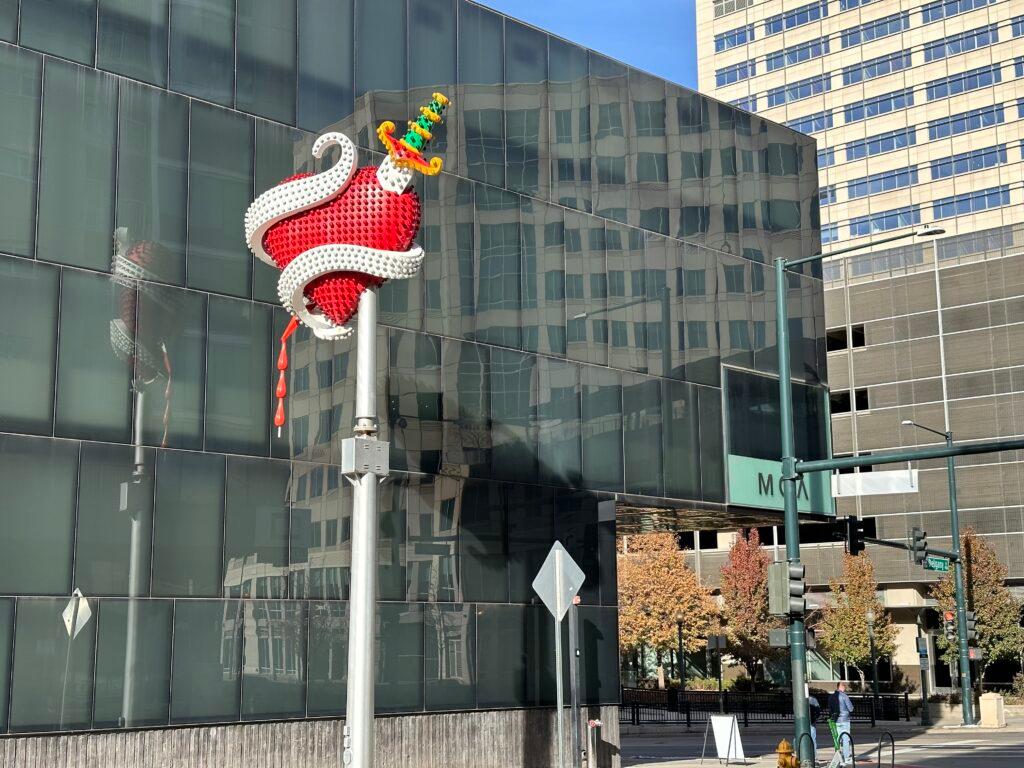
{"points": [[745, 602], [655, 586]]}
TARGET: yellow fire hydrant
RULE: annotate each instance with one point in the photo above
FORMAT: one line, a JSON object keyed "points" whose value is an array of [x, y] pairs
{"points": [[787, 758]]}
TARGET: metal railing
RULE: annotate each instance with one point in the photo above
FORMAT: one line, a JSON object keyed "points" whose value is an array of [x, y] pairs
{"points": [[644, 706]]}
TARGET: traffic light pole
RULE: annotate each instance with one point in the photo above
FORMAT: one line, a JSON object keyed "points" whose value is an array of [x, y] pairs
{"points": [[791, 520], [966, 694]]}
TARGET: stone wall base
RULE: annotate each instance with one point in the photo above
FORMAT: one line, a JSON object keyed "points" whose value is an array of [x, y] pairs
{"points": [[494, 739]]}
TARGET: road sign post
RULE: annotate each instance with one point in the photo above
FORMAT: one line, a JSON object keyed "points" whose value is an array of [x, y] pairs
{"points": [[557, 582]]}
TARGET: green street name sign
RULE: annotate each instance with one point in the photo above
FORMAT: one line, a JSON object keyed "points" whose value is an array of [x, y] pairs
{"points": [[933, 563], [756, 483]]}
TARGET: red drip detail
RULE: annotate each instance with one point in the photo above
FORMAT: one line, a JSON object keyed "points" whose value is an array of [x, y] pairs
{"points": [[279, 414], [282, 387], [282, 365]]}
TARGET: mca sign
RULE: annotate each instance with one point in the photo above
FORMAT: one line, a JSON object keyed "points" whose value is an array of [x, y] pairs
{"points": [[755, 483]]}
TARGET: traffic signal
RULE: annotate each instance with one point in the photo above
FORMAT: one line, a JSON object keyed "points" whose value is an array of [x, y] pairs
{"points": [[786, 589], [854, 536], [918, 545], [972, 627], [949, 626]]}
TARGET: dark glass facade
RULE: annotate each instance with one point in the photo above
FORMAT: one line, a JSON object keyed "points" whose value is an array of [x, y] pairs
{"points": [[599, 246]]}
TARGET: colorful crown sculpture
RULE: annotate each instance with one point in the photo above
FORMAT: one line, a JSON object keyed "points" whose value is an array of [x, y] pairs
{"points": [[338, 233]]}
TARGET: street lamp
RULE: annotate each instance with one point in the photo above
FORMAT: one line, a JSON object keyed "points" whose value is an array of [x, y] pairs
{"points": [[680, 653], [870, 616], [788, 484], [966, 703]]}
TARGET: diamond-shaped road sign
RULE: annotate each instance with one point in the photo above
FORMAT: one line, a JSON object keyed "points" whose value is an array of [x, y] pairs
{"points": [[77, 613], [558, 581]]}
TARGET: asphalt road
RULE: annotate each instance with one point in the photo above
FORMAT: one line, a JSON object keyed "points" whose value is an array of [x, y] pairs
{"points": [[936, 748]]}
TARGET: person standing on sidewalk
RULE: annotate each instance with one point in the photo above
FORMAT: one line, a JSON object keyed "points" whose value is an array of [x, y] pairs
{"points": [[840, 709]]}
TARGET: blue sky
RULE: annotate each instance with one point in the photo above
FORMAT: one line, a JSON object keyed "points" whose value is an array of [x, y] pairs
{"points": [[654, 35]]}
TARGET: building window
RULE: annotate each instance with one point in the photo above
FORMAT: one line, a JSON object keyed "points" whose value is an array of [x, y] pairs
{"points": [[994, 240], [651, 166], [882, 182], [882, 142], [724, 7], [796, 54], [749, 103], [889, 25], [697, 334], [734, 37], [707, 539], [827, 194], [849, 5], [829, 234], [739, 334], [819, 121], [963, 122], [650, 117], [609, 121], [735, 73], [841, 402], [801, 89], [970, 80], [968, 162], [1018, 66], [734, 278], [694, 283], [1017, 26], [563, 126], [945, 8], [826, 157], [879, 105], [961, 43], [906, 216], [971, 202], [805, 14], [838, 339], [877, 67]]}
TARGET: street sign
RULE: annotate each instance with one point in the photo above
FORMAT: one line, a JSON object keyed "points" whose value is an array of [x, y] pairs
{"points": [[933, 563], [76, 614], [558, 581]]}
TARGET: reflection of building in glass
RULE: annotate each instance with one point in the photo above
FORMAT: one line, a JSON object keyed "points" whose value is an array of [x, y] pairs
{"points": [[596, 254]]}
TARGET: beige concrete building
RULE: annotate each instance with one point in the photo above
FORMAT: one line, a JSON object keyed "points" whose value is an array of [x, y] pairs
{"points": [[918, 110]]}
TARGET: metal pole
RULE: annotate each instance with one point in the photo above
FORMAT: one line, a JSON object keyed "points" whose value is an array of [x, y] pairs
{"points": [[682, 657], [358, 733], [874, 669], [574, 686], [721, 695], [559, 693], [136, 573], [797, 648], [966, 693], [926, 718]]}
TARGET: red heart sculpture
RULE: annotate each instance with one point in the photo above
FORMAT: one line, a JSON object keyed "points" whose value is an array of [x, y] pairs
{"points": [[363, 214]]}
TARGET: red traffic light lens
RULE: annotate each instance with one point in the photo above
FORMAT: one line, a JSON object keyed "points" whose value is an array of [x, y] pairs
{"points": [[949, 615]]}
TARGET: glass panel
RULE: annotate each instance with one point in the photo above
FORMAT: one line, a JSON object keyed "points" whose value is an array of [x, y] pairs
{"points": [[6, 644], [531, 533], [202, 49], [481, 55], [380, 80], [569, 124], [576, 526], [586, 294], [274, 660], [642, 417], [392, 552], [133, 39], [540, 666], [602, 428], [266, 58], [48, 695], [466, 408], [76, 177], [220, 188], [415, 386], [609, 95], [682, 440], [8, 31], [501, 655], [321, 532], [661, 338], [256, 528], [37, 514], [93, 380], [514, 394], [325, 63], [432, 521], [558, 422], [599, 670], [152, 183], [28, 317], [448, 234], [627, 298], [64, 28], [449, 649], [238, 393], [698, 283], [432, 61], [149, 669], [276, 160], [526, 124], [107, 533], [20, 80], [189, 524], [543, 291], [207, 658], [483, 549], [172, 330], [328, 659], [712, 465], [498, 283], [399, 658]]}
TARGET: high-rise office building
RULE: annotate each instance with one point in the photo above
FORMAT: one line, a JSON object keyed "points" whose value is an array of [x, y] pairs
{"points": [[918, 111], [589, 336]]}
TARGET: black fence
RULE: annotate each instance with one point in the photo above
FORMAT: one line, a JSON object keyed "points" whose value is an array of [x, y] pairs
{"points": [[642, 706]]}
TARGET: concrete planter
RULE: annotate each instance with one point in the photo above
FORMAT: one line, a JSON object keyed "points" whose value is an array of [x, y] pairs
{"points": [[944, 713]]}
